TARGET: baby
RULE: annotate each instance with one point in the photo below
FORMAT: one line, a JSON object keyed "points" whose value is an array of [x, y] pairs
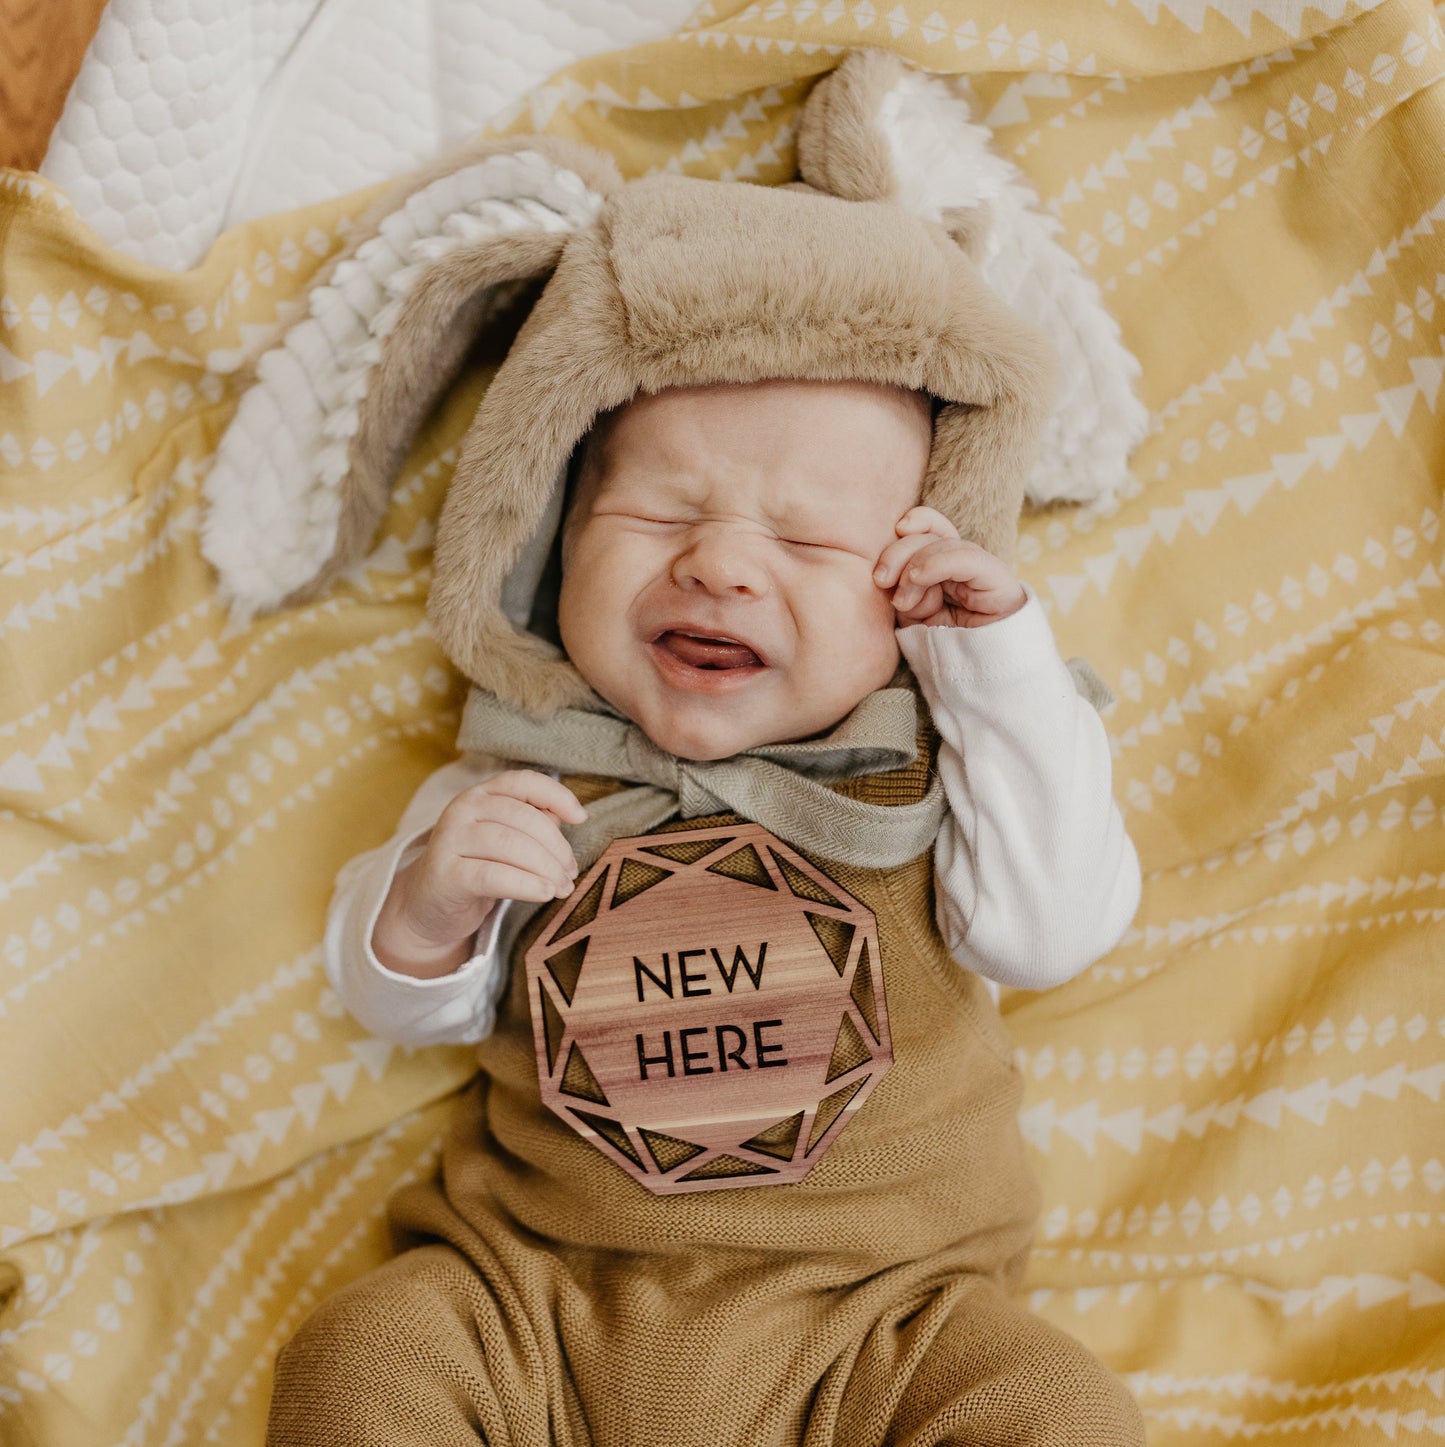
{"points": [[742, 565]]}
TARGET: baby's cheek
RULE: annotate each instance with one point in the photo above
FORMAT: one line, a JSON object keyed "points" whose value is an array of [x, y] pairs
{"points": [[868, 598], [859, 629], [842, 588]]}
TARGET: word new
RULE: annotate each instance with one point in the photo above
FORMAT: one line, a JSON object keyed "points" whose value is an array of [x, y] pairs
{"points": [[694, 981]]}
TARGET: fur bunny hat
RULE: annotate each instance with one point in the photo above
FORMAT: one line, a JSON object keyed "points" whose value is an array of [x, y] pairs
{"points": [[859, 271]]}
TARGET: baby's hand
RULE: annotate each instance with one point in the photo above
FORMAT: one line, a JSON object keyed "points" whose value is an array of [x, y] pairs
{"points": [[940, 580], [497, 840]]}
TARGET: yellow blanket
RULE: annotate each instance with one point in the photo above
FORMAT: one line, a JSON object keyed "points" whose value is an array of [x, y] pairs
{"points": [[1235, 1115]]}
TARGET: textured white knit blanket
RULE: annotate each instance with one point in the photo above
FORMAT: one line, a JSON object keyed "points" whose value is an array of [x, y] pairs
{"points": [[191, 115]]}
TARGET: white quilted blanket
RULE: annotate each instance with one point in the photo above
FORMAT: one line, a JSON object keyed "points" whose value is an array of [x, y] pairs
{"points": [[191, 115]]}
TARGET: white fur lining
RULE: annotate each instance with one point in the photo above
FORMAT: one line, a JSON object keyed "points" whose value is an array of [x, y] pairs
{"points": [[941, 159], [274, 503]]}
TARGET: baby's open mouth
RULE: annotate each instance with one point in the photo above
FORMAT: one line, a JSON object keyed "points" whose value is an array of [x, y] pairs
{"points": [[701, 650]]}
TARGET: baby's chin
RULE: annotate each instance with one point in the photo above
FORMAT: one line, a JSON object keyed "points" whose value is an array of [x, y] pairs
{"points": [[688, 726], [704, 732], [703, 739]]}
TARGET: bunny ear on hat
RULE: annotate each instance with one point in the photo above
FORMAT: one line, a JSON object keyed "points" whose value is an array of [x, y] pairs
{"points": [[303, 473], [877, 130]]}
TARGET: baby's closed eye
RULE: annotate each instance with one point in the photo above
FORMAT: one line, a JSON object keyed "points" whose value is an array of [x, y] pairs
{"points": [[652, 520], [815, 552]]}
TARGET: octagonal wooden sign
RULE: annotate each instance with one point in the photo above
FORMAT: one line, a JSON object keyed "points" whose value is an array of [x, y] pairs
{"points": [[708, 1009]]}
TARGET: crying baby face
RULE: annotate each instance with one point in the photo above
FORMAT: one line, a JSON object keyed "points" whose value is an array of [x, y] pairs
{"points": [[718, 557]]}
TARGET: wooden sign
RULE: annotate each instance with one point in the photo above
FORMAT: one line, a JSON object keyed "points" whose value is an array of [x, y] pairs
{"points": [[708, 1009]]}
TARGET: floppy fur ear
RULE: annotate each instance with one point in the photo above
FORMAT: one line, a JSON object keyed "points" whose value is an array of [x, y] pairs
{"points": [[969, 226], [877, 130], [303, 472]]}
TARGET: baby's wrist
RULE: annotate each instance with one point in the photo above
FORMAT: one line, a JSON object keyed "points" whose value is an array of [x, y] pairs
{"points": [[1022, 603], [404, 949]]}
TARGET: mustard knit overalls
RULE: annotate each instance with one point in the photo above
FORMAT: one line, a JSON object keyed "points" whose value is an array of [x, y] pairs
{"points": [[545, 1297]]}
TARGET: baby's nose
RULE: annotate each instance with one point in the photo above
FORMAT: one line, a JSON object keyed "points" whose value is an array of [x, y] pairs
{"points": [[722, 561]]}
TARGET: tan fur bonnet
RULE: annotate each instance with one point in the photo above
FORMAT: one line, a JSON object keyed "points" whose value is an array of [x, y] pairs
{"points": [[660, 282]]}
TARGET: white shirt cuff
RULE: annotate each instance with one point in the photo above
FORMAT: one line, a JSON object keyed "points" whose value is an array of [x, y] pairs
{"points": [[459, 1007]]}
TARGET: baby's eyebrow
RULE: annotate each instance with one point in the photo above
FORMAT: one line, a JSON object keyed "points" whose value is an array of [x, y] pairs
{"points": [[641, 475]]}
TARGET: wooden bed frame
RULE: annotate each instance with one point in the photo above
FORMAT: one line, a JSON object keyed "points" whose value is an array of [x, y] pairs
{"points": [[42, 43]]}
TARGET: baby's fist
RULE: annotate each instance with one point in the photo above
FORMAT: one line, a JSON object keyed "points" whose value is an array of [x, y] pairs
{"points": [[940, 580], [500, 839]]}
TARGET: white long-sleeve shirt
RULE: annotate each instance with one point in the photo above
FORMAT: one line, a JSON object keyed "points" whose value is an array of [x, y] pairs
{"points": [[1035, 875]]}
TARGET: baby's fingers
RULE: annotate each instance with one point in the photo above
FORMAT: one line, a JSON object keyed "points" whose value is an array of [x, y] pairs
{"points": [[968, 566], [894, 558], [925, 520], [494, 879], [501, 845], [973, 582], [929, 566], [922, 604], [957, 562], [497, 810], [538, 790]]}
